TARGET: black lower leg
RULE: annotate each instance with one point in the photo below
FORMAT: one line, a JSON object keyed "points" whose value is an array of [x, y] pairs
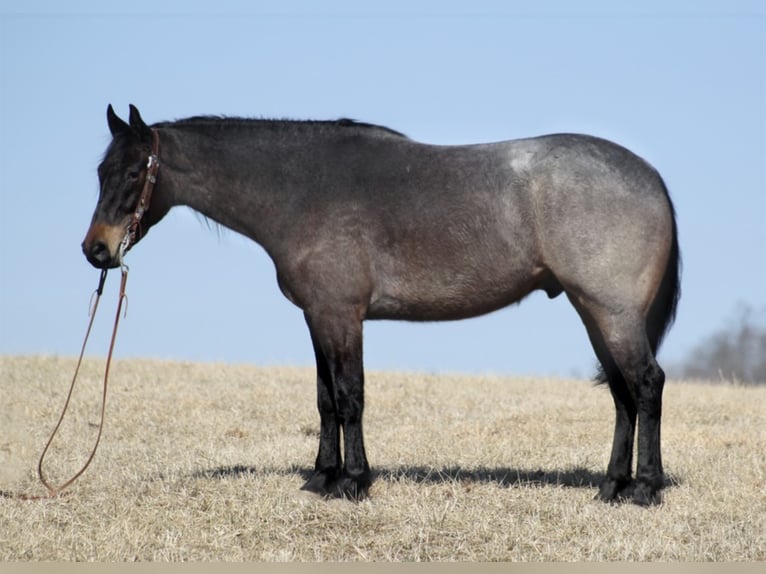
{"points": [[617, 483], [327, 468], [650, 476], [355, 479]]}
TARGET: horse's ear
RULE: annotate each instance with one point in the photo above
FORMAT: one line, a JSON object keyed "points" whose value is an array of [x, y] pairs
{"points": [[116, 125], [138, 125]]}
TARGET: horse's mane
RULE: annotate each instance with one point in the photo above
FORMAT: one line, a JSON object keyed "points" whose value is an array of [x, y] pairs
{"points": [[219, 122]]}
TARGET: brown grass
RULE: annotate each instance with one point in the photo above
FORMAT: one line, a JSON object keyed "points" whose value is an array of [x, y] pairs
{"points": [[203, 462]]}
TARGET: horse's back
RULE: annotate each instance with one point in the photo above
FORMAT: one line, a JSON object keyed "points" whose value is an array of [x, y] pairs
{"points": [[445, 232]]}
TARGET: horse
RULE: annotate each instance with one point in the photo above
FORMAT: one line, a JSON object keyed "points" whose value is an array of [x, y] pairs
{"points": [[364, 223]]}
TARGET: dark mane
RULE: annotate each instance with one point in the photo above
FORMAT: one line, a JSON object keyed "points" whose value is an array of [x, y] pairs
{"points": [[213, 121]]}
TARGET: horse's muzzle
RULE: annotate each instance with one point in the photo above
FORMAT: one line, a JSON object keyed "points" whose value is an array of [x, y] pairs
{"points": [[99, 256], [102, 245]]}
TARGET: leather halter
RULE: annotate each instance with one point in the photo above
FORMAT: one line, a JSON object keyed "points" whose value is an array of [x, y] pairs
{"points": [[152, 167]]}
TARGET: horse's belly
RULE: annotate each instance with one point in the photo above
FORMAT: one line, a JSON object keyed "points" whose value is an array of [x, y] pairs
{"points": [[447, 296]]}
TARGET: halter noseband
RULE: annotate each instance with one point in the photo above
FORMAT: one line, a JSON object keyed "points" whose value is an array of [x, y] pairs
{"points": [[152, 167]]}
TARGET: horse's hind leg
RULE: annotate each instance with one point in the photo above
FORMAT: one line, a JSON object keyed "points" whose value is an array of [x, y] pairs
{"points": [[618, 481], [636, 382], [340, 386]]}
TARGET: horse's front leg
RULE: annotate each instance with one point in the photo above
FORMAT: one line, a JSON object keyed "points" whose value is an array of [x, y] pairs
{"points": [[328, 464], [337, 340]]}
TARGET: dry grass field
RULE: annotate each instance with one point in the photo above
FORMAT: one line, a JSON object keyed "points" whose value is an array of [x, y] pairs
{"points": [[204, 462]]}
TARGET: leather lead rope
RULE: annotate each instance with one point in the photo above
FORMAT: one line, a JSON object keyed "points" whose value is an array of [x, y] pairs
{"points": [[56, 490], [131, 236]]}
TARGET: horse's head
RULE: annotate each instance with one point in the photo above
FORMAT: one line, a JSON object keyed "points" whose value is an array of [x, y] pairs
{"points": [[122, 175]]}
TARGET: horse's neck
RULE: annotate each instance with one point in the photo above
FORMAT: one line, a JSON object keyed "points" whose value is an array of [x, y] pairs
{"points": [[234, 193]]}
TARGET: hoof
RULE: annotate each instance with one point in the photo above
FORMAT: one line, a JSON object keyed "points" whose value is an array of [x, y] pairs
{"points": [[638, 492], [331, 484], [614, 490], [321, 482], [646, 494], [352, 488]]}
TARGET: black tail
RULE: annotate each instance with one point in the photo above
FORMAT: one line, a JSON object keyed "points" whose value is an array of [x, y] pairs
{"points": [[662, 313]]}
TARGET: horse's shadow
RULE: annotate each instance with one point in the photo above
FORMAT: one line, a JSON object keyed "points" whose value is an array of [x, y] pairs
{"points": [[502, 476], [505, 477]]}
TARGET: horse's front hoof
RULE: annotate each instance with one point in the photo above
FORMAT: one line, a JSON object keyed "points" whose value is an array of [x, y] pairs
{"points": [[639, 492], [334, 484], [614, 490]]}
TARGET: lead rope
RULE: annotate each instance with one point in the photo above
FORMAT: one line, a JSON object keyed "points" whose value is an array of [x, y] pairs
{"points": [[54, 491], [128, 239]]}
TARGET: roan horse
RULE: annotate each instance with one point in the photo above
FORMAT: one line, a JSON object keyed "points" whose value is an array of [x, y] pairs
{"points": [[363, 223]]}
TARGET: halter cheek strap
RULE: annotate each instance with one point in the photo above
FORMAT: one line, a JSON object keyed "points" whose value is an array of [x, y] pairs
{"points": [[152, 167]]}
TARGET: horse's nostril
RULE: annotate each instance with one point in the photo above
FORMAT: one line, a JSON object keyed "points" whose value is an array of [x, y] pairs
{"points": [[98, 249], [97, 253]]}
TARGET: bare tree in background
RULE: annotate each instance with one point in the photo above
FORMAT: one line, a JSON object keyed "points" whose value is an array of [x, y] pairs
{"points": [[735, 354]]}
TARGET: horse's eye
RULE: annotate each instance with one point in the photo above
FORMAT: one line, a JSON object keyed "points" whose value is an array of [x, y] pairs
{"points": [[133, 175]]}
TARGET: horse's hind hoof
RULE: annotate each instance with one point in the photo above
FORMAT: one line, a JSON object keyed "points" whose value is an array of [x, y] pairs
{"points": [[352, 488], [321, 482]]}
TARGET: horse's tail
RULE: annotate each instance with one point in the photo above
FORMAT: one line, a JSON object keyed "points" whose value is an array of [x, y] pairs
{"points": [[662, 312]]}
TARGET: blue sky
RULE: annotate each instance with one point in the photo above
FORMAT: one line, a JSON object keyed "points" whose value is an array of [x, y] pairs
{"points": [[682, 84]]}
